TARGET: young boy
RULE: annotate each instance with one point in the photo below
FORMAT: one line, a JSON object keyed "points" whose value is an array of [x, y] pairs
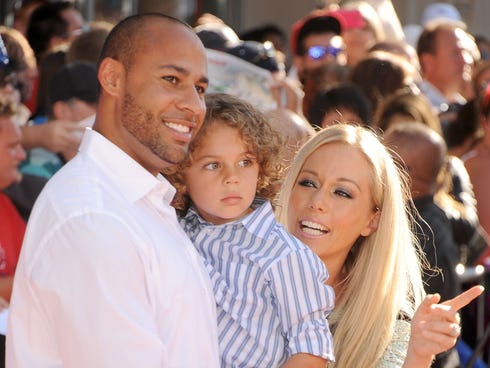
{"points": [[269, 287]]}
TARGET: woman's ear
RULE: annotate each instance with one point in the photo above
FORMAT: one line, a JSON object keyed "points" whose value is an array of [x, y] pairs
{"points": [[373, 223], [111, 75]]}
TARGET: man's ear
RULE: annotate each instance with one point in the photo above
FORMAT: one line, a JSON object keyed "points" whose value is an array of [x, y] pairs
{"points": [[111, 76], [373, 224]]}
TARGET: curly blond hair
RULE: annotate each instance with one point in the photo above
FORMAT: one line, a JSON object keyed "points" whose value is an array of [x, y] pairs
{"points": [[259, 137]]}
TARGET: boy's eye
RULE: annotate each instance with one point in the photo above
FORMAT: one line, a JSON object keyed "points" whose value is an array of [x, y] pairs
{"points": [[307, 183], [211, 166], [245, 163]]}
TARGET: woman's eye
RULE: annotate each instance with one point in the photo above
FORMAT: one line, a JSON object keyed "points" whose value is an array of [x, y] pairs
{"points": [[342, 193], [307, 183]]}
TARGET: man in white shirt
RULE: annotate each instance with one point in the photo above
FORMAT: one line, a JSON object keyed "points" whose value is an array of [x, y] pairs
{"points": [[444, 60], [107, 278]]}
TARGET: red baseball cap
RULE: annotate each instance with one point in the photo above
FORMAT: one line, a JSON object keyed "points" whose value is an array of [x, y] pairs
{"points": [[330, 22]]}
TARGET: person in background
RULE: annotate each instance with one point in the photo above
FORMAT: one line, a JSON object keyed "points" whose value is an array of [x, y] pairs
{"points": [[22, 192], [318, 53], [51, 24], [422, 152], [405, 105], [294, 128], [12, 225], [477, 161], [444, 62], [464, 132], [316, 42], [88, 45], [25, 66], [352, 210], [344, 102], [261, 275], [106, 276], [362, 28], [23, 13], [380, 74], [455, 193], [271, 33], [480, 77], [72, 96]]}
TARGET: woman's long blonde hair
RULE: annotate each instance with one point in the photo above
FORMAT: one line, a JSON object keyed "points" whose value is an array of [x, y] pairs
{"points": [[383, 276]]}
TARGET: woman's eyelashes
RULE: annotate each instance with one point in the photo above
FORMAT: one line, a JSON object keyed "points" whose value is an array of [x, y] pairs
{"points": [[339, 191], [308, 183], [343, 193]]}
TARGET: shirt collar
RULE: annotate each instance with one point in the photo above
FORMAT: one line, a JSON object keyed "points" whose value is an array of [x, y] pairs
{"points": [[133, 180], [259, 222]]}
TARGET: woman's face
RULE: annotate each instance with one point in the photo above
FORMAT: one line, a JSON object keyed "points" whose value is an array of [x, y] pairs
{"points": [[331, 203]]}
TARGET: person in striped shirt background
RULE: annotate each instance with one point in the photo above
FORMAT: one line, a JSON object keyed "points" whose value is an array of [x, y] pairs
{"points": [[270, 289]]}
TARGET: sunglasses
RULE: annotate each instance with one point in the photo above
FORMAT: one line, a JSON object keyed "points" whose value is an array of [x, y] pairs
{"points": [[319, 52]]}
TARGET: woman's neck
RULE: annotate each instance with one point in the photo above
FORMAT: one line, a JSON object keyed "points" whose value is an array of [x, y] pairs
{"points": [[336, 275]]}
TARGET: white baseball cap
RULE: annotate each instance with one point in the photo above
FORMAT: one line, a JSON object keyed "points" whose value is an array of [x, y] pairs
{"points": [[441, 12]]}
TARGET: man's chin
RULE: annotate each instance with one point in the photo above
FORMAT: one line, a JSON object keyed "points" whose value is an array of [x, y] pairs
{"points": [[174, 156]]}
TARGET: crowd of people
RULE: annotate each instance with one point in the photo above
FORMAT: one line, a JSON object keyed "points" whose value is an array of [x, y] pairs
{"points": [[306, 204]]}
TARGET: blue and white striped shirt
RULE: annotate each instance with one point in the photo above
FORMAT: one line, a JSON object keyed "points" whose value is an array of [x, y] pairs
{"points": [[270, 289]]}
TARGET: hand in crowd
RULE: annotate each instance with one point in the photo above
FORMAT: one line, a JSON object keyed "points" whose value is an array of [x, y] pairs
{"points": [[435, 327], [56, 135]]}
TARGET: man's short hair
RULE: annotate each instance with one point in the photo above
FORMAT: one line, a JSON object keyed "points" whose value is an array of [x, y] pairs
{"points": [[124, 39], [427, 41]]}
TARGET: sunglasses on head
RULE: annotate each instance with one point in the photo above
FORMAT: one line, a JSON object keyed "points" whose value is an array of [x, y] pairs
{"points": [[319, 52]]}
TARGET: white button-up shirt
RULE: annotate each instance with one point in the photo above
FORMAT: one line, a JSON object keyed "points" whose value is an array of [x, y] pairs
{"points": [[107, 277]]}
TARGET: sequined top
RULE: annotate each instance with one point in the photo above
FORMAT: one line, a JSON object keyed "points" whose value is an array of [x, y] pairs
{"points": [[396, 351]]}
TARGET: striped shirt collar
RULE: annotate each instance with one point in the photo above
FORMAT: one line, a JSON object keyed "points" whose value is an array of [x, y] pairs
{"points": [[260, 221]]}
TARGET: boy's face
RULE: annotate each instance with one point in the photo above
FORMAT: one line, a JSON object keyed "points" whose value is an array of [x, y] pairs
{"points": [[222, 180]]}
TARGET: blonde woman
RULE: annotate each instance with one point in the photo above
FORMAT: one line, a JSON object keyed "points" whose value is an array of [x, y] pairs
{"points": [[344, 197]]}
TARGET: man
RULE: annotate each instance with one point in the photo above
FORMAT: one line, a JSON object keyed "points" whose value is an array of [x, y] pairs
{"points": [[316, 42], [444, 60], [424, 151], [72, 97], [52, 24], [107, 278], [12, 226]]}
